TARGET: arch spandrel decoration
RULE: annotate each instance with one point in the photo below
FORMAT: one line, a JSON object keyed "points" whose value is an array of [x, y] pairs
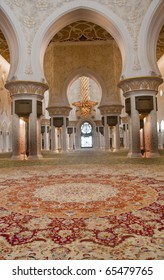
{"points": [[148, 37], [87, 11], [10, 27]]}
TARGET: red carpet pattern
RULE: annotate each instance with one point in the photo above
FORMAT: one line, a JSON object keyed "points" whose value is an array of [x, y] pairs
{"points": [[82, 216]]}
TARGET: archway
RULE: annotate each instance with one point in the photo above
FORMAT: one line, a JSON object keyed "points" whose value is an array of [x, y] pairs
{"points": [[149, 34], [85, 10], [13, 35], [90, 116]]}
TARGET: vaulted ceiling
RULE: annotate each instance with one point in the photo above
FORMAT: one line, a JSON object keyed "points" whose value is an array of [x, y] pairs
{"points": [[81, 31], [4, 50]]}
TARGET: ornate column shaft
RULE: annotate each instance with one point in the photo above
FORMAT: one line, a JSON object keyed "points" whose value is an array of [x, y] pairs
{"points": [[140, 100], [27, 106], [106, 134], [116, 137], [134, 131], [150, 133], [58, 120], [64, 135], [46, 138], [125, 132], [53, 140], [1, 143], [111, 114]]}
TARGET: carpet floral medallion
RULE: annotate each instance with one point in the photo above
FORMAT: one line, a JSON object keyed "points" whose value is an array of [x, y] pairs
{"points": [[80, 214]]}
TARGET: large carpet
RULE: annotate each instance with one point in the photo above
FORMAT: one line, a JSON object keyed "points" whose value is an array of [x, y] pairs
{"points": [[83, 211]]}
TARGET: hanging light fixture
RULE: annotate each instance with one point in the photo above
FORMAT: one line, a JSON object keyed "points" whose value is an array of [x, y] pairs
{"points": [[85, 105]]}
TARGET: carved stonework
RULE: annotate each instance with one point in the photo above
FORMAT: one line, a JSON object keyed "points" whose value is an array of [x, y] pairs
{"points": [[45, 122], [59, 111], [31, 14], [26, 87], [72, 123], [124, 120], [82, 31], [140, 84], [98, 123], [110, 109]]}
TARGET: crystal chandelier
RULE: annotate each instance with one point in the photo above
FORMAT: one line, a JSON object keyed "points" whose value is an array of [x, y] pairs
{"points": [[85, 105]]}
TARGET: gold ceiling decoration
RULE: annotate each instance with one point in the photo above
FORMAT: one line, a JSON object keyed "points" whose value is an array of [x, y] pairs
{"points": [[160, 44], [4, 50], [85, 105], [82, 31]]}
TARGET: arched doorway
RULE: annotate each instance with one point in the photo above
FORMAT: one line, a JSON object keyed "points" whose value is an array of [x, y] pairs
{"points": [[86, 135]]}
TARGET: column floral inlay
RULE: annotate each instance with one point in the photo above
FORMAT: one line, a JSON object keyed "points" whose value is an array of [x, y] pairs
{"points": [[62, 111], [26, 87], [110, 109], [149, 83]]}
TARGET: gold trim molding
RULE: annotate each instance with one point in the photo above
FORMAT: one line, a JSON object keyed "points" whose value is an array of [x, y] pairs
{"points": [[45, 122], [59, 111], [26, 87], [149, 83], [110, 109]]}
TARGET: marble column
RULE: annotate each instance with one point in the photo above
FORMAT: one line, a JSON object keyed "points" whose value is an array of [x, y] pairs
{"points": [[46, 139], [16, 153], [134, 131], [144, 88], [64, 135], [160, 140], [30, 91], [150, 133], [125, 136], [116, 144], [110, 111], [97, 137], [60, 133], [106, 134], [74, 138], [34, 149], [1, 141], [101, 135], [53, 137]]}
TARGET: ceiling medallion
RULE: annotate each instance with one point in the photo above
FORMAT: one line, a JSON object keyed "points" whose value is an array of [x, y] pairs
{"points": [[85, 105]]}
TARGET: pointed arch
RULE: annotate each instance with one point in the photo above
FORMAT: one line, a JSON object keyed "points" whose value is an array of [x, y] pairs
{"points": [[148, 36], [13, 34], [83, 71], [81, 10]]}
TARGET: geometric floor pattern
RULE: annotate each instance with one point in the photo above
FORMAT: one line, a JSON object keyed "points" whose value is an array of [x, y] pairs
{"points": [[87, 211]]}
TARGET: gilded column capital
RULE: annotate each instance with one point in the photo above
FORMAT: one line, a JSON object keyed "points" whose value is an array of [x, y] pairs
{"points": [[124, 119], [26, 87], [59, 111], [146, 83], [110, 109], [45, 121]]}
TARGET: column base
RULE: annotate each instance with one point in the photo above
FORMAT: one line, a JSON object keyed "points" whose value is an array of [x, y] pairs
{"points": [[19, 157], [151, 155], [35, 157], [115, 150], [58, 151], [134, 155]]}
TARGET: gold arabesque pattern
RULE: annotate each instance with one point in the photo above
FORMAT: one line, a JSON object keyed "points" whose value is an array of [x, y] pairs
{"points": [[81, 31]]}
